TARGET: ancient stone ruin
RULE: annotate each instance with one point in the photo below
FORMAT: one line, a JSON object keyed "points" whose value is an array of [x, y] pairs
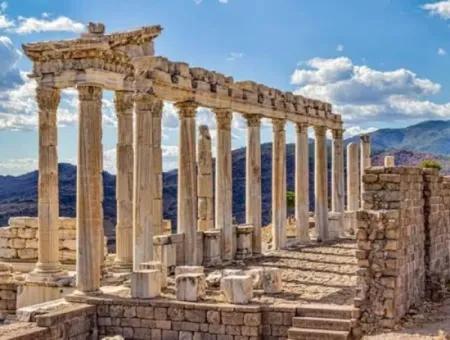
{"points": [[333, 274]]}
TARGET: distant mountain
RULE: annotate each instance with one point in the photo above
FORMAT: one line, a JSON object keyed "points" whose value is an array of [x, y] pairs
{"points": [[409, 145]]}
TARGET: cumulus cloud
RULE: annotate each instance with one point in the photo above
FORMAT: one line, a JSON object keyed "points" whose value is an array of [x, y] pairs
{"points": [[9, 57], [59, 24], [355, 130], [441, 9], [364, 94], [4, 21], [441, 51], [17, 166]]}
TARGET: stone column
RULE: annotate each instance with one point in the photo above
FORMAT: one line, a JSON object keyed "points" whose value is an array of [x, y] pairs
{"points": [[353, 178], [365, 158], [320, 183], [224, 183], [187, 181], [48, 200], [157, 174], [146, 106], [302, 183], [89, 189], [205, 180], [124, 181], [253, 180], [279, 184], [389, 161], [337, 170]]}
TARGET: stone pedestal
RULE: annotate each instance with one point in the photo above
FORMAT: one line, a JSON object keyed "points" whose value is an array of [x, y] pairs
{"points": [[237, 289], [187, 181], [156, 265], [279, 184], [271, 280], [244, 235], [190, 287], [165, 251], [253, 180], [353, 178], [205, 180], [320, 183], [211, 248], [145, 284], [302, 184], [224, 191]]}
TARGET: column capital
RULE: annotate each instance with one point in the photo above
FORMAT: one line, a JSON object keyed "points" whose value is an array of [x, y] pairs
{"points": [[301, 127], [124, 101], [148, 102], [253, 120], [320, 130], [89, 92], [278, 124], [365, 138], [223, 117], [338, 133], [48, 97], [187, 109]]}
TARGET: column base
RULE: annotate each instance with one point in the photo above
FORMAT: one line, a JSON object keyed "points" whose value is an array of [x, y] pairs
{"points": [[46, 273]]}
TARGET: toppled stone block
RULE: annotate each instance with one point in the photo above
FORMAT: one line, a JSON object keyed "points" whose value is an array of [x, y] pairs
{"points": [[145, 284], [271, 280], [237, 289], [257, 276], [190, 286]]}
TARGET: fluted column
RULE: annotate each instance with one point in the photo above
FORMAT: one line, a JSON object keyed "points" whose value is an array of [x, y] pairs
{"points": [[48, 204], [365, 159], [302, 183], [205, 183], [353, 179], [124, 181], [320, 183], [146, 106], [187, 181], [157, 174], [224, 183], [279, 184], [253, 180], [337, 169], [89, 189]]}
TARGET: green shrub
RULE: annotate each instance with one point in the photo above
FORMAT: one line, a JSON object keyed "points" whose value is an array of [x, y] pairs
{"points": [[290, 199], [430, 164]]}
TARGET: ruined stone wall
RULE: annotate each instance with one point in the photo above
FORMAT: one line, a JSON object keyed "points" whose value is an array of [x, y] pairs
{"points": [[391, 245], [18, 240]]}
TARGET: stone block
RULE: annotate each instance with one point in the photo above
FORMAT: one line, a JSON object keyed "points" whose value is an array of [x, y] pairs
{"points": [[237, 289], [244, 235], [145, 284], [190, 286], [156, 265], [8, 253], [257, 276], [179, 270], [211, 247], [272, 281], [27, 254]]}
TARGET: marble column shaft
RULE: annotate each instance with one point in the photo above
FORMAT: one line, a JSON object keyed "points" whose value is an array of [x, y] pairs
{"points": [[146, 106], [253, 180], [48, 199], [157, 168], [187, 181], [353, 178], [124, 103], [205, 180], [364, 158], [279, 184], [337, 170], [223, 208], [89, 189], [302, 183], [320, 183]]}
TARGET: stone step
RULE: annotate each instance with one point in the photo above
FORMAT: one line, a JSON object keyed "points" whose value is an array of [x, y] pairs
{"points": [[328, 311], [316, 334], [322, 323]]}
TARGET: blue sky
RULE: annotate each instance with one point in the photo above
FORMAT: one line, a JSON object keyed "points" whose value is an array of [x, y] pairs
{"points": [[381, 63]]}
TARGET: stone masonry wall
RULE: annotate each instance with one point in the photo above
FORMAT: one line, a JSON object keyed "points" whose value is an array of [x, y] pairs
{"points": [[18, 240], [391, 245]]}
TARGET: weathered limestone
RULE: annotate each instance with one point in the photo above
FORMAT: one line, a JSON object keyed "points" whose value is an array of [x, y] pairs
{"points": [[253, 180], [165, 251], [145, 284], [157, 173], [146, 106], [389, 161], [320, 183], [302, 183], [190, 286], [237, 289], [353, 178], [48, 264], [89, 189], [205, 180], [180, 270], [211, 248], [279, 184], [187, 181], [224, 183], [156, 265], [244, 237], [337, 170], [365, 159], [271, 280], [124, 181]]}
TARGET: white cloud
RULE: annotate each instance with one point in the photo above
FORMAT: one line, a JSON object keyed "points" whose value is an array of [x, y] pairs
{"points": [[235, 56], [340, 48], [441, 8], [357, 130], [365, 95], [223, 1], [17, 166], [59, 24], [441, 51]]}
